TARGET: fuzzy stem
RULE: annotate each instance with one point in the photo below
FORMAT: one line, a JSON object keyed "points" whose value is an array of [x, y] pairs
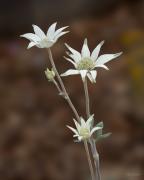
{"points": [[89, 160], [62, 85], [96, 159], [57, 86], [71, 105], [87, 98], [92, 142]]}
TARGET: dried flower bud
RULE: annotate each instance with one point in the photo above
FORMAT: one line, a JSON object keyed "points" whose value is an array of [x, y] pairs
{"points": [[50, 74]]}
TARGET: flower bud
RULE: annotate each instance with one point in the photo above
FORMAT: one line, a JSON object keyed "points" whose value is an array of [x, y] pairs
{"points": [[50, 74]]}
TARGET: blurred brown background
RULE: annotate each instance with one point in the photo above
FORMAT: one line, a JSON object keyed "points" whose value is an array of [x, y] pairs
{"points": [[34, 141]]}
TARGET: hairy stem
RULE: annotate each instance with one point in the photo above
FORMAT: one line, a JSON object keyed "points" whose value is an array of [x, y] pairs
{"points": [[89, 160], [57, 86], [64, 92], [87, 98], [92, 142], [62, 85], [96, 159]]}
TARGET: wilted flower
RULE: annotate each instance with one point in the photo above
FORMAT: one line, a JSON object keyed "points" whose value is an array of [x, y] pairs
{"points": [[50, 74], [86, 62], [42, 40], [84, 129]]}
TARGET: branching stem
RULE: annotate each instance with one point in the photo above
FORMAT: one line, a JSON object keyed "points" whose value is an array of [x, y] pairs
{"points": [[63, 91], [62, 85]]}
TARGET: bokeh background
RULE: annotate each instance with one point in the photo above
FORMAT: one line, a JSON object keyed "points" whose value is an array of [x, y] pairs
{"points": [[34, 141]]}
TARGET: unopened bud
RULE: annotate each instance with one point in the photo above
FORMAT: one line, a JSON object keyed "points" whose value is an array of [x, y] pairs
{"points": [[50, 74]]}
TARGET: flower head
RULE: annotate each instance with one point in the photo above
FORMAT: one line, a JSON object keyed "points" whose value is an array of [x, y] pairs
{"points": [[86, 62], [42, 40], [84, 129], [50, 74]]}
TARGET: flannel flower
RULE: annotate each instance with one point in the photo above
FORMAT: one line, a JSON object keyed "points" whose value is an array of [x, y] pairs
{"points": [[42, 40], [84, 129], [86, 62]]}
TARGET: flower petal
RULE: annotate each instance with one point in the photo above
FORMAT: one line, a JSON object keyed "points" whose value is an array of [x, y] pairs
{"points": [[73, 130], [31, 44], [106, 58], [31, 37], [75, 57], [83, 74], [77, 124], [74, 52], [68, 59], [85, 50], [59, 35], [51, 31], [83, 123], [96, 51], [95, 129], [70, 72], [102, 66], [93, 74], [75, 135], [39, 32], [60, 30], [80, 138], [89, 121], [90, 77]]}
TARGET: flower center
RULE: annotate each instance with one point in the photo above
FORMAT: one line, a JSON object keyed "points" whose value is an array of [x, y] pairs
{"points": [[84, 132], [45, 40], [85, 64]]}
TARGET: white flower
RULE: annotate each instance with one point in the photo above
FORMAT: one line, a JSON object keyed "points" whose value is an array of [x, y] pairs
{"points": [[42, 40], [84, 129], [86, 62]]}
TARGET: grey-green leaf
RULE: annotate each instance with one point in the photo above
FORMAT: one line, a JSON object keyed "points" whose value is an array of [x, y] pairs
{"points": [[100, 124], [106, 135], [102, 136]]}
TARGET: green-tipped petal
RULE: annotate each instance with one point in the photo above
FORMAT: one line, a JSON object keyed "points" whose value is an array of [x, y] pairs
{"points": [[85, 50]]}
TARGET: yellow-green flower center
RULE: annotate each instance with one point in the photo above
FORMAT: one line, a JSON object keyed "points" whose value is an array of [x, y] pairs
{"points": [[84, 132], [85, 64]]}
